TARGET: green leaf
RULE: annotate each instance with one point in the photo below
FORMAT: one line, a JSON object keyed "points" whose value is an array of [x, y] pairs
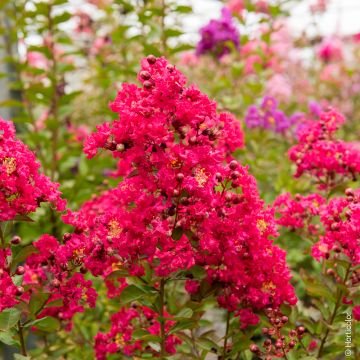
{"points": [[198, 272], [37, 301], [139, 333], [23, 218], [206, 344], [22, 255], [177, 233], [182, 325], [7, 338], [46, 323], [131, 293], [62, 18], [183, 9], [21, 357], [185, 313], [319, 291], [8, 318], [17, 279]]}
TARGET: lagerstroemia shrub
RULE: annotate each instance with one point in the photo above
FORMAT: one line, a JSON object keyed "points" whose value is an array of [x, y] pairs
{"points": [[184, 202], [181, 235], [185, 211], [164, 247]]}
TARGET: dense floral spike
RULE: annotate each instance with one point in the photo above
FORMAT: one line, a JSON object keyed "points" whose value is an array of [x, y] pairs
{"points": [[217, 36], [179, 197], [341, 219], [22, 187], [319, 154]]}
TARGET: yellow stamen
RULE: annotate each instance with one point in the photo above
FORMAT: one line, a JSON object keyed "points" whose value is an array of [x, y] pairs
{"points": [[114, 228], [10, 165], [201, 177]]}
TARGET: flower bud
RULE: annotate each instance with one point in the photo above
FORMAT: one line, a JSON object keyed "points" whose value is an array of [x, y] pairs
{"points": [[19, 290], [151, 59], [233, 165], [180, 177], [15, 240], [20, 270], [145, 75], [66, 237], [147, 85], [55, 283]]}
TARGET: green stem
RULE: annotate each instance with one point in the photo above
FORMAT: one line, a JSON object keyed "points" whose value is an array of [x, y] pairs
{"points": [[2, 238], [22, 341], [161, 320], [226, 334], [336, 308]]}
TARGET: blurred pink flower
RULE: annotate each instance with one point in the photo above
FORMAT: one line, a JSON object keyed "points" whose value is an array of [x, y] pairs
{"points": [[330, 49], [236, 6], [40, 122], [37, 60], [80, 132], [331, 73], [279, 88], [262, 6], [313, 345], [83, 22], [189, 59], [319, 6], [99, 43]]}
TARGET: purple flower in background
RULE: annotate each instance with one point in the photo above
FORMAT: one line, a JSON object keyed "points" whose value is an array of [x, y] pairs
{"points": [[269, 103], [253, 117], [315, 108], [268, 116], [217, 34]]}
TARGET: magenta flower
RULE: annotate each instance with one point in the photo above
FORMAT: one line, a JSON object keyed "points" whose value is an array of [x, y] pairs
{"points": [[217, 36]]}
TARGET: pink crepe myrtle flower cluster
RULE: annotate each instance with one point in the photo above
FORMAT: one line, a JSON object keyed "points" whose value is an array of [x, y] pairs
{"points": [[298, 212], [51, 269], [319, 154], [119, 340], [179, 205], [8, 291], [22, 186], [341, 220]]}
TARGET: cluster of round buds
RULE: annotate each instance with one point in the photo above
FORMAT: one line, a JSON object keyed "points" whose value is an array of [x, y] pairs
{"points": [[319, 154], [341, 222], [276, 343]]}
